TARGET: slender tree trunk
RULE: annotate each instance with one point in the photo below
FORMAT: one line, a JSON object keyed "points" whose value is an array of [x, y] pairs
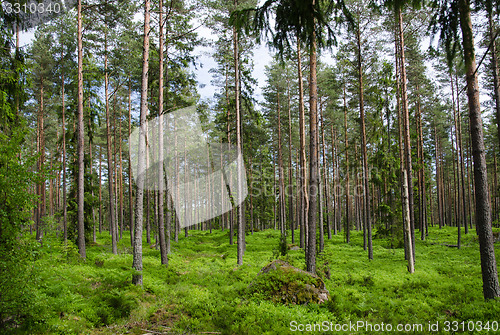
{"points": [[130, 199], [161, 224], [112, 218], [137, 247], [241, 225], [313, 161], [459, 217], [438, 181], [406, 123], [335, 196], [100, 189], [347, 196], [115, 170], [329, 211], [281, 181], [120, 175], [304, 201], [366, 192], [411, 264], [462, 165], [491, 288], [290, 181], [65, 211], [80, 137]]}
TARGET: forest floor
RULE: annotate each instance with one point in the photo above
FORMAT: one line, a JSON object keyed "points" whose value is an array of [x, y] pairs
{"points": [[203, 291]]}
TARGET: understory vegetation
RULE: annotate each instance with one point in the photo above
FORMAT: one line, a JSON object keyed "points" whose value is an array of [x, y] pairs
{"points": [[202, 290]]}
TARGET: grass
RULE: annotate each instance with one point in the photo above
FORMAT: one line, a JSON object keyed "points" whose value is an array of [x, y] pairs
{"points": [[203, 290]]}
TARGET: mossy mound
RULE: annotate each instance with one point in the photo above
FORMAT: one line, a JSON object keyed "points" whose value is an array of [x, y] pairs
{"points": [[282, 283]]}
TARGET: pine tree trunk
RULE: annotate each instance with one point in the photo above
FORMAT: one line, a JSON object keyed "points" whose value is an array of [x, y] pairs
{"points": [[411, 264], [161, 190], [40, 187], [80, 140], [491, 288], [100, 189], [137, 247], [290, 181], [313, 161], [400, 130], [281, 181], [241, 225], [304, 201], [65, 211], [347, 196], [438, 181], [112, 218], [366, 192], [335, 196], [462, 165], [329, 211], [130, 199], [406, 123]]}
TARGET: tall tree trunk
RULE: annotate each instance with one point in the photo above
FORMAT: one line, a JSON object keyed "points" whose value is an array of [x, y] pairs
{"points": [[161, 224], [460, 218], [329, 211], [80, 139], [100, 189], [366, 192], [304, 201], [290, 181], [65, 211], [491, 288], [281, 181], [130, 206], [120, 159], [112, 218], [41, 162], [411, 264], [241, 225], [347, 196], [229, 215], [438, 181], [335, 196], [313, 161], [406, 123], [462, 165], [137, 247]]}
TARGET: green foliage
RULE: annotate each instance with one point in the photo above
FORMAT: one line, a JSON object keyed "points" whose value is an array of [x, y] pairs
{"points": [[18, 303], [202, 290]]}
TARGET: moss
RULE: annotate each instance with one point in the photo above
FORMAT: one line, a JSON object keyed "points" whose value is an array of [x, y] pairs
{"points": [[281, 283]]}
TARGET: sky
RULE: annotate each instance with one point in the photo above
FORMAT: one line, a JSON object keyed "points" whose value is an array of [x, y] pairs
{"points": [[262, 57]]}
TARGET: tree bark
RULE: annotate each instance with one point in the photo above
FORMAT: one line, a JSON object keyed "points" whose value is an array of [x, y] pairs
{"points": [[366, 192], [241, 225], [130, 200], [137, 248], [161, 211], [80, 139], [491, 288], [313, 161], [406, 124], [290, 181], [411, 264], [112, 218], [304, 202], [347, 196], [65, 211]]}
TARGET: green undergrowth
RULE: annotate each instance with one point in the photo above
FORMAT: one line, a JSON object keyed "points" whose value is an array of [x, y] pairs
{"points": [[203, 290]]}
